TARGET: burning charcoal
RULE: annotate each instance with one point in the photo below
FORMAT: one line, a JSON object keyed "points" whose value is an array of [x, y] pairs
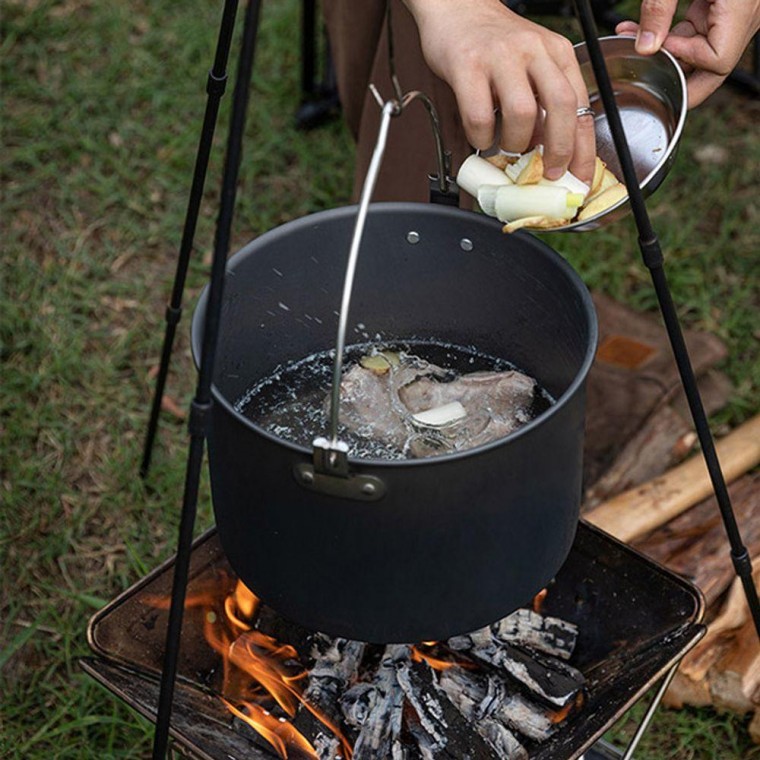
{"points": [[273, 624], [357, 703], [488, 697], [502, 740], [404, 751], [475, 641], [441, 731], [382, 726], [333, 669], [528, 629], [548, 678], [469, 696]]}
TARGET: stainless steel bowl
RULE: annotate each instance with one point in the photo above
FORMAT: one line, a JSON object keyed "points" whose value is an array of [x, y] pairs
{"points": [[651, 94]]}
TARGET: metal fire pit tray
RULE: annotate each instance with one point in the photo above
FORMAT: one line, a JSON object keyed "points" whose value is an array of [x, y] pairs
{"points": [[636, 620]]}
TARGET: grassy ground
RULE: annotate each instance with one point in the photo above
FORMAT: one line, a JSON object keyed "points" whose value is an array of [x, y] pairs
{"points": [[102, 104]]}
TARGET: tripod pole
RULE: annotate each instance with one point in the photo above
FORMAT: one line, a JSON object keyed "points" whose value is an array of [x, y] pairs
{"points": [[200, 410], [215, 86], [653, 259]]}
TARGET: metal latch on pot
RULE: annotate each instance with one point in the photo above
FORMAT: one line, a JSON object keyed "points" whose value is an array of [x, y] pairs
{"points": [[329, 474]]}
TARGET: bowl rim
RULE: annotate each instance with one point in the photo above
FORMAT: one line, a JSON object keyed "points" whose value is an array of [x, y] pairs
{"points": [[667, 153]]}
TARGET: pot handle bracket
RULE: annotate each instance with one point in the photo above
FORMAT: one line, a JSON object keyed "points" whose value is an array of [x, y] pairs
{"points": [[329, 474]]}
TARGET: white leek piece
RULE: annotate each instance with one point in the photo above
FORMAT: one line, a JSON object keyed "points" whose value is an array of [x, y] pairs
{"points": [[476, 171], [440, 416], [487, 198], [514, 170], [569, 181], [518, 201]]}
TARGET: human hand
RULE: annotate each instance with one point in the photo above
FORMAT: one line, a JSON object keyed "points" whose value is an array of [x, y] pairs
{"points": [[493, 58], [709, 41]]}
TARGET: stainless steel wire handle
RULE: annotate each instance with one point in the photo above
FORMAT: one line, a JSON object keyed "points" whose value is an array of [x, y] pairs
{"points": [[331, 454], [390, 109]]}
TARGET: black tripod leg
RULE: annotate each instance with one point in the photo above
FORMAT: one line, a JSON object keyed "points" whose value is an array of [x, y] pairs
{"points": [[217, 80], [653, 259], [201, 406]]}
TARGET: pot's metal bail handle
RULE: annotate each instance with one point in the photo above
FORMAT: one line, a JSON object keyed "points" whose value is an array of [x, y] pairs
{"points": [[329, 471]]}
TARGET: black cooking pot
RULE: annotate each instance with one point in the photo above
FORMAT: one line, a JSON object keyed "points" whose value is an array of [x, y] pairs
{"points": [[458, 540]]}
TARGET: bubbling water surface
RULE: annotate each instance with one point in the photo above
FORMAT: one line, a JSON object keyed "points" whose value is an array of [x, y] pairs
{"points": [[291, 403]]}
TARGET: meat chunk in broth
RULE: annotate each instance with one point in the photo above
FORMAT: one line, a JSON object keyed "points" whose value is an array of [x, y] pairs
{"points": [[383, 405]]}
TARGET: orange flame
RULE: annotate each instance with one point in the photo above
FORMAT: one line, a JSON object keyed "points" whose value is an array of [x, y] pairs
{"points": [[281, 735], [436, 662], [258, 672], [538, 600]]}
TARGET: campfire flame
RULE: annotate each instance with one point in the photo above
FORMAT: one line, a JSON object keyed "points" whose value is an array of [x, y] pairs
{"points": [[278, 732], [538, 600], [420, 655], [260, 674]]}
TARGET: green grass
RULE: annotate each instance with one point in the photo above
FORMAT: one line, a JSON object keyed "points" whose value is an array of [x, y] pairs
{"points": [[102, 104]]}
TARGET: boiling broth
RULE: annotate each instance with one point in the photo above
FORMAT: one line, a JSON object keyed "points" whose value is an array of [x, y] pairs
{"points": [[291, 402]]}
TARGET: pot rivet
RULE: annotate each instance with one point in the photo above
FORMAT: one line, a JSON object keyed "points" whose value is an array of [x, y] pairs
{"points": [[307, 477], [368, 488], [465, 244], [412, 237]]}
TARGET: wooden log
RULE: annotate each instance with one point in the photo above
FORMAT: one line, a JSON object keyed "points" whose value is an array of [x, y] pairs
{"points": [[442, 732], [490, 698], [335, 666], [468, 694], [695, 543], [754, 727], [382, 727], [547, 678], [690, 685], [539, 633], [648, 454], [736, 677], [640, 510], [663, 441]]}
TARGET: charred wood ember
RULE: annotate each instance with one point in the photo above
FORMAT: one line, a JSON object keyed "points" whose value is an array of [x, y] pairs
{"points": [[528, 629], [303, 695], [548, 678], [335, 666], [441, 730], [472, 699], [272, 624], [484, 696], [382, 727]]}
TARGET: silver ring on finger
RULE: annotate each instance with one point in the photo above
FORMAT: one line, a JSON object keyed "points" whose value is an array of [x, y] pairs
{"points": [[584, 111]]}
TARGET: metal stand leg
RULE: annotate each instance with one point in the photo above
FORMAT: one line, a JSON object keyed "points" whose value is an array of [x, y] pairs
{"points": [[603, 750], [215, 86], [653, 259], [201, 406], [319, 101], [647, 719]]}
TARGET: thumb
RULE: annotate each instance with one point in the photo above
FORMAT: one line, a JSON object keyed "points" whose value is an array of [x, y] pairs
{"points": [[654, 24]]}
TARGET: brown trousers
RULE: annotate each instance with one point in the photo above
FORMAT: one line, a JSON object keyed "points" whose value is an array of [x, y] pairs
{"points": [[359, 45]]}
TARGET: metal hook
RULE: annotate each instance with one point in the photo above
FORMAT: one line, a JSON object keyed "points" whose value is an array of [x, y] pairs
{"points": [[442, 157]]}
